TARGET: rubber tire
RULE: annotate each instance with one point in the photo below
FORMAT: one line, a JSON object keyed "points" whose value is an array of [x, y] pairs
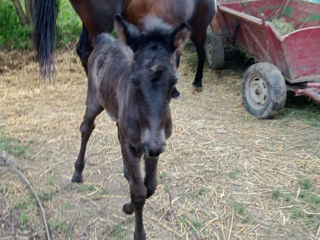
{"points": [[276, 90], [214, 51]]}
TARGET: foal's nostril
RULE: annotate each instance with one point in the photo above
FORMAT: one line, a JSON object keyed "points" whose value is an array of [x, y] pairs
{"points": [[154, 151]]}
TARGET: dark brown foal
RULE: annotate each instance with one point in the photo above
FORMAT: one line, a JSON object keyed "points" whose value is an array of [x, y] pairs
{"points": [[134, 84]]}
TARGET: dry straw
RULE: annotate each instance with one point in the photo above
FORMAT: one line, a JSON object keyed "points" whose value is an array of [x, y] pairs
{"points": [[216, 178]]}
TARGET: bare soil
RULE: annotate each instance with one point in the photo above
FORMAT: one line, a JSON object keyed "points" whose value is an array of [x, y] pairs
{"points": [[224, 175]]}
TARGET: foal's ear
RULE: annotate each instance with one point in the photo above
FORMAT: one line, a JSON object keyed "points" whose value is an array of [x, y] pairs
{"points": [[179, 36], [127, 32]]}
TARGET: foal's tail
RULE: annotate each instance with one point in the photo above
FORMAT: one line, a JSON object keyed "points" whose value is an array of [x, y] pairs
{"points": [[44, 34]]}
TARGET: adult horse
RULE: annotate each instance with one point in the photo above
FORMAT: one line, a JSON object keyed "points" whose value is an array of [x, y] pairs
{"points": [[97, 17]]}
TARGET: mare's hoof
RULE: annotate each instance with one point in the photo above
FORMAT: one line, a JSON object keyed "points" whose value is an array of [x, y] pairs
{"points": [[175, 93], [128, 208], [197, 88], [77, 178]]}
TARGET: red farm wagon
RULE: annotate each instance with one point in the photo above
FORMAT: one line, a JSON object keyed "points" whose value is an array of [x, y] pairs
{"points": [[287, 55]]}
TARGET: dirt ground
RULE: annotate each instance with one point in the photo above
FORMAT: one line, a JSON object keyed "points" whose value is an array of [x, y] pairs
{"points": [[224, 175]]}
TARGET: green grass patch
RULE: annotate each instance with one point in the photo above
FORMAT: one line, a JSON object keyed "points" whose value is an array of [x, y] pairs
{"points": [[4, 188], [11, 145], [305, 183], [276, 194], [312, 199], [45, 196], [234, 174], [197, 224], [304, 209], [193, 224], [23, 203], [240, 209], [302, 109], [24, 220], [119, 233], [268, 232], [61, 226], [67, 206], [86, 188], [192, 60], [104, 191], [163, 175], [51, 179], [297, 212], [202, 191]]}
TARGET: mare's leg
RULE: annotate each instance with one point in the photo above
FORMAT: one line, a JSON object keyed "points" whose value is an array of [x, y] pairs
{"points": [[93, 109], [199, 39], [138, 191], [84, 48], [175, 92]]}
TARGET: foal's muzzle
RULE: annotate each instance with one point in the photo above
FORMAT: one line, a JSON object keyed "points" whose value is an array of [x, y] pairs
{"points": [[154, 151]]}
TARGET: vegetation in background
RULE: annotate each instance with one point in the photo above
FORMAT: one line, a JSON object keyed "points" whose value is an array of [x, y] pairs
{"points": [[12, 33], [68, 25], [17, 34]]}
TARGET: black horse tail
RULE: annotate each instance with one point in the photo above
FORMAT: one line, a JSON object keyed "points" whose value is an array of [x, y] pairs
{"points": [[45, 15]]}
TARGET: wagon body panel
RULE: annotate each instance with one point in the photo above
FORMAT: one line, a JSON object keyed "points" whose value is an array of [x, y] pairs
{"points": [[302, 55], [296, 54]]}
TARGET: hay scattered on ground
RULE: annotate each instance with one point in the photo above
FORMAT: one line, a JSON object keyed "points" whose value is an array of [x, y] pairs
{"points": [[224, 175]]}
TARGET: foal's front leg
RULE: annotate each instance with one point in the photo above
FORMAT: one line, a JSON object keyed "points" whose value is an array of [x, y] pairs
{"points": [[138, 190], [150, 180]]}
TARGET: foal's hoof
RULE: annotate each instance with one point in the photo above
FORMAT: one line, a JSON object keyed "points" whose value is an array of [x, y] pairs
{"points": [[128, 208], [197, 88], [140, 235], [175, 93], [77, 178]]}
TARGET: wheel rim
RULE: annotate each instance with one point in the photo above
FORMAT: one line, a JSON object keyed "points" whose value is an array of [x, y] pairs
{"points": [[210, 51], [257, 92]]}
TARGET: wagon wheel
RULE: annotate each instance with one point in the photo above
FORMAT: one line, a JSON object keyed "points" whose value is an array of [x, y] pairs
{"points": [[214, 51], [264, 90]]}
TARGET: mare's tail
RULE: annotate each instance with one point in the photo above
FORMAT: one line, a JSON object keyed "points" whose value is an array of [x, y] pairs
{"points": [[44, 33]]}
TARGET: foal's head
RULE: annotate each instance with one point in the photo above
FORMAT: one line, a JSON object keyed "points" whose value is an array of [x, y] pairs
{"points": [[153, 76]]}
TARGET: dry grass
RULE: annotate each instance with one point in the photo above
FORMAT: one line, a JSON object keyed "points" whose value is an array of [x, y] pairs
{"points": [[225, 175]]}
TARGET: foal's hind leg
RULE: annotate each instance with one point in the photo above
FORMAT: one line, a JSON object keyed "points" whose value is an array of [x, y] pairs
{"points": [[93, 109]]}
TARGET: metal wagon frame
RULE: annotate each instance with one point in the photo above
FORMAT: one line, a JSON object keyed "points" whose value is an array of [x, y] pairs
{"points": [[289, 62]]}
